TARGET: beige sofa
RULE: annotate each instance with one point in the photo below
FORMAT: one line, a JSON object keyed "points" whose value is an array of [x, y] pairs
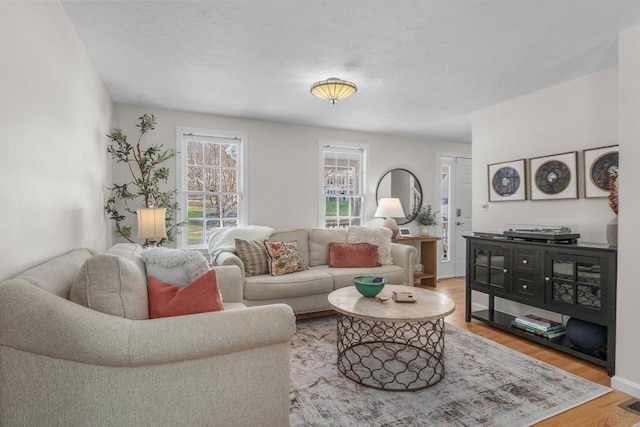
{"points": [[64, 364], [307, 291]]}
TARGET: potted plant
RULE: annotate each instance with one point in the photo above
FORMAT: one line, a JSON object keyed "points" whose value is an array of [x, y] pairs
{"points": [[426, 217], [144, 189]]}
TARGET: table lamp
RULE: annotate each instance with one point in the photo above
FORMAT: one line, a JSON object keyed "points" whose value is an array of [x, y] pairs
{"points": [[390, 208], [151, 224]]}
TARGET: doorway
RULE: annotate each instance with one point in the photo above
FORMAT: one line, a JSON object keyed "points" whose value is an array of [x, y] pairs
{"points": [[454, 189]]}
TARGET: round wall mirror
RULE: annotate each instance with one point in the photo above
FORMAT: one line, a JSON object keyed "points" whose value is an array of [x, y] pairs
{"points": [[403, 185]]}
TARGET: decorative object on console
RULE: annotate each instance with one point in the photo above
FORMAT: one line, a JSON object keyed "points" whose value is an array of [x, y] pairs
{"points": [[599, 164], [586, 336], [507, 181], [554, 177], [426, 217], [390, 208], [147, 175], [333, 89], [151, 224], [612, 226], [369, 286]]}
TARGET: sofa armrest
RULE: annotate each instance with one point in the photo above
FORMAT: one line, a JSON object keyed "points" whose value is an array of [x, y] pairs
{"points": [[36, 321], [230, 282], [405, 257]]}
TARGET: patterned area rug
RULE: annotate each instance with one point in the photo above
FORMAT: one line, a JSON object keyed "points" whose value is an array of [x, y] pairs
{"points": [[485, 384]]}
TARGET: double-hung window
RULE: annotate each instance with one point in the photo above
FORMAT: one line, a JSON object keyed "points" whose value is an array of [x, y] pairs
{"points": [[343, 190], [211, 182]]}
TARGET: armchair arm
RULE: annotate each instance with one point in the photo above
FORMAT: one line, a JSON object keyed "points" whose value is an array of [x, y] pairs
{"points": [[36, 321], [405, 257]]}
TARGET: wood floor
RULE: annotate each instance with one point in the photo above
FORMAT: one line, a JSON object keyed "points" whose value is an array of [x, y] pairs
{"points": [[603, 411]]}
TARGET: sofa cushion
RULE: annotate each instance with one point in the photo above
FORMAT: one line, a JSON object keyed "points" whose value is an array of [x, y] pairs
{"points": [[254, 256], [302, 283], [284, 258], [298, 234], [114, 283], [342, 277], [174, 266], [319, 239], [200, 296], [381, 237], [344, 255]]}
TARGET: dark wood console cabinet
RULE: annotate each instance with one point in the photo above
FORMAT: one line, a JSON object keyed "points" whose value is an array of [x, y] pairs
{"points": [[576, 280]]}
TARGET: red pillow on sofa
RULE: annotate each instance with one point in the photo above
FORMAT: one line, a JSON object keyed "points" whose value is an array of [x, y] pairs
{"points": [[200, 296], [344, 255]]}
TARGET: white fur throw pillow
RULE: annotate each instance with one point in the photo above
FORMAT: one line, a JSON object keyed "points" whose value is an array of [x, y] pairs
{"points": [[381, 237], [175, 266]]}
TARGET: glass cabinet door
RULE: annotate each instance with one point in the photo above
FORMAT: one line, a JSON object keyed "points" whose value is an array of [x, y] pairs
{"points": [[489, 266], [576, 281]]}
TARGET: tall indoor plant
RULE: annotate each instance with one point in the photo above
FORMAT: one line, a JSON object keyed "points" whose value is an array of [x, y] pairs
{"points": [[143, 190]]}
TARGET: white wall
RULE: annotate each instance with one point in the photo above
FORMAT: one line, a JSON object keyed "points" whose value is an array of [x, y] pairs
{"points": [[628, 348], [54, 111], [572, 116], [592, 111], [284, 160]]}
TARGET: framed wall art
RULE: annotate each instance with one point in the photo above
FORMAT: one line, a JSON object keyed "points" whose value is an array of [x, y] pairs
{"points": [[554, 177], [599, 164], [507, 181]]}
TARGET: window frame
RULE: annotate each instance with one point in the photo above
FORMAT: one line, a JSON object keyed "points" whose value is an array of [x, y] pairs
{"points": [[350, 148], [181, 177]]}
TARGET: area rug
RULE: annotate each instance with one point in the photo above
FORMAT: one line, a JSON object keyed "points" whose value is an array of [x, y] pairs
{"points": [[485, 384]]}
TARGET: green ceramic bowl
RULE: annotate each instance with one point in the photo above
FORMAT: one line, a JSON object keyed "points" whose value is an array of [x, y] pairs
{"points": [[369, 286]]}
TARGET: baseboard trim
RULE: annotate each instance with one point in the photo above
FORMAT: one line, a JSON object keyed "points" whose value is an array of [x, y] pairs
{"points": [[625, 386], [478, 307]]}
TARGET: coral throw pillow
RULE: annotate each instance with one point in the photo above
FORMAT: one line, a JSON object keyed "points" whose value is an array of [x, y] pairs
{"points": [[284, 258], [200, 296], [344, 255]]}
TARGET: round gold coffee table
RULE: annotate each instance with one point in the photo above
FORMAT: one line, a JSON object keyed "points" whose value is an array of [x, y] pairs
{"points": [[390, 345]]}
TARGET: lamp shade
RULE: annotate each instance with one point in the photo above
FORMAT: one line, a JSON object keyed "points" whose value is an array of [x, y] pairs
{"points": [[151, 223], [389, 208], [333, 89]]}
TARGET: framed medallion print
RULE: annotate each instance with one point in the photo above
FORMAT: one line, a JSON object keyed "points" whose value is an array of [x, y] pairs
{"points": [[507, 181], [554, 177], [599, 164]]}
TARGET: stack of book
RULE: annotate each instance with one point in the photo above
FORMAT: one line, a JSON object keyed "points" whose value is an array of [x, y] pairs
{"points": [[539, 326]]}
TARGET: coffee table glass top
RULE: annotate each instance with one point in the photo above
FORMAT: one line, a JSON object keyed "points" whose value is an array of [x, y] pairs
{"points": [[429, 305]]}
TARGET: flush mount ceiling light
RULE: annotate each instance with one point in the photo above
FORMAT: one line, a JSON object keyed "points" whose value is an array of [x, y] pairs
{"points": [[333, 89]]}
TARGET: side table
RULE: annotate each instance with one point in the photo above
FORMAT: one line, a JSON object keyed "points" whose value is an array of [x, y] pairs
{"points": [[428, 258]]}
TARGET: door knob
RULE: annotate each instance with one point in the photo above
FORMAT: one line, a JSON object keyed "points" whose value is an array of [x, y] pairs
{"points": [[459, 223]]}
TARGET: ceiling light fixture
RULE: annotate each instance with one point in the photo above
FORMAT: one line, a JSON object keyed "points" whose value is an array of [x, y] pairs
{"points": [[333, 89]]}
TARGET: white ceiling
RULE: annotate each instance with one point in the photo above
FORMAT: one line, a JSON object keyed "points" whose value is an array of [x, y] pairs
{"points": [[422, 67]]}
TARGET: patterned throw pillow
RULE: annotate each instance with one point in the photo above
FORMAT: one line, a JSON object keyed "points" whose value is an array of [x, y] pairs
{"points": [[284, 258], [253, 255]]}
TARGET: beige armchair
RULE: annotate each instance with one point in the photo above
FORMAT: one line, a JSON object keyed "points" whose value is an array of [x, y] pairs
{"points": [[64, 364]]}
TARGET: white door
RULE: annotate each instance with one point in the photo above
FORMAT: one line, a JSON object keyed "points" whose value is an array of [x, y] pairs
{"points": [[462, 213], [454, 178]]}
